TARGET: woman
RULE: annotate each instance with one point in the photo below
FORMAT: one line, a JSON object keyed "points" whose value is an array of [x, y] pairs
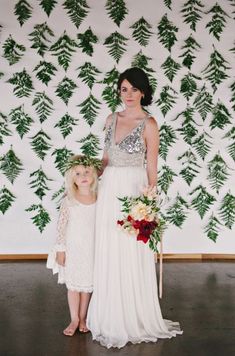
{"points": [[124, 305]]}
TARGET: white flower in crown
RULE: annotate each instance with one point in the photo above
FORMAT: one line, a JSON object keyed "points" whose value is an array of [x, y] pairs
{"points": [[140, 211]]}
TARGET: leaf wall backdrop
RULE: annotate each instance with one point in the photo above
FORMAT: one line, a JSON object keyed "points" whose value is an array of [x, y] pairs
{"points": [[60, 61]]}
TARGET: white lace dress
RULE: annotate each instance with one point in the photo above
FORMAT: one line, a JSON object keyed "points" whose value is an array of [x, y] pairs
{"points": [[124, 305], [75, 236]]}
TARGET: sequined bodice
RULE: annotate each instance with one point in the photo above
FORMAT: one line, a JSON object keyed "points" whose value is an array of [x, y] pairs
{"points": [[130, 151]]}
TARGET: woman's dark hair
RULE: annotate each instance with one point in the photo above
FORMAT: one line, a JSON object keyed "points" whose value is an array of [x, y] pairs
{"points": [[138, 79]]}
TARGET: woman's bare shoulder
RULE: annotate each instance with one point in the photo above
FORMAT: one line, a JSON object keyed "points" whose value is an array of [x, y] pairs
{"points": [[151, 123]]}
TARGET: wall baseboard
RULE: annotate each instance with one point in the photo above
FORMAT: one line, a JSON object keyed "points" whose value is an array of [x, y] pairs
{"points": [[167, 257]]}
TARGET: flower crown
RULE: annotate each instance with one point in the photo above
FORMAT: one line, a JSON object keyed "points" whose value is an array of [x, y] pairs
{"points": [[85, 161]]}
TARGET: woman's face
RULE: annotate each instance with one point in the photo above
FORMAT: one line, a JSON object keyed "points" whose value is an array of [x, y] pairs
{"points": [[83, 176], [130, 95]]}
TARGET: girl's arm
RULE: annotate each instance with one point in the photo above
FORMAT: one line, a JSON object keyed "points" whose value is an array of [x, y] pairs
{"points": [[61, 233], [151, 135]]}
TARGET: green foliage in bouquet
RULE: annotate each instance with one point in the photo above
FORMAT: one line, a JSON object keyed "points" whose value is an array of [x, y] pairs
{"points": [[23, 84], [117, 10], [202, 201], [44, 71], [4, 130], [216, 69], [77, 10], [190, 165], [141, 61], [165, 179], [48, 5], [202, 145], [63, 49], [203, 102], [167, 32], [62, 156], [6, 199], [220, 116], [170, 68], [86, 41], [42, 218], [21, 120], [190, 47], [10, 165], [39, 182], [110, 94], [177, 213], [212, 227], [227, 210], [187, 129], [65, 89], [65, 124], [141, 31], [40, 38], [116, 44], [90, 145], [231, 148], [218, 172], [23, 11], [188, 85], [40, 144], [13, 51], [217, 22], [167, 99], [43, 105], [192, 10], [88, 73], [167, 139], [89, 109]]}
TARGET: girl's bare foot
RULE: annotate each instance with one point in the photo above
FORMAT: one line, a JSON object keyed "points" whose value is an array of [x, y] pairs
{"points": [[71, 328], [83, 328]]}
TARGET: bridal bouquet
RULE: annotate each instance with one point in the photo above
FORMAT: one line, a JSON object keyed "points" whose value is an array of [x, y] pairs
{"points": [[142, 217]]}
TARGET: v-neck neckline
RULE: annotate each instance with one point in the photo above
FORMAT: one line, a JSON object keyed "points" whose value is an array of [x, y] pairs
{"points": [[115, 127]]}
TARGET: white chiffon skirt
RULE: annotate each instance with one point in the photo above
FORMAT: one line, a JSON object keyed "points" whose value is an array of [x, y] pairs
{"points": [[124, 305]]}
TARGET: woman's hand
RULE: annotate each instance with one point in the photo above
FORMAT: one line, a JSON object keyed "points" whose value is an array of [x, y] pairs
{"points": [[60, 258]]}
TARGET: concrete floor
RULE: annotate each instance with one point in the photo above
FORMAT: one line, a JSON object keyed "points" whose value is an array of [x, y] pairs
{"points": [[33, 312]]}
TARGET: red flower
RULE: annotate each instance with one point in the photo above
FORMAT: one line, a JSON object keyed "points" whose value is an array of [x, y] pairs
{"points": [[120, 222], [129, 218], [142, 238], [145, 229]]}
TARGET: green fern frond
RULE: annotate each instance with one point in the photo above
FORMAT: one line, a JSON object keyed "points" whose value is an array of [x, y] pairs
{"points": [[6, 199], [203, 102], [203, 201], [231, 148], [202, 145], [167, 32], [90, 145], [89, 109], [23, 84], [21, 120], [227, 210], [63, 49], [13, 51], [232, 100], [4, 130], [191, 12], [40, 144], [211, 229], [190, 165], [39, 182], [65, 89], [86, 41], [167, 99], [218, 172], [23, 11], [168, 3], [177, 213], [141, 31], [116, 44], [62, 155], [48, 5], [40, 38], [171, 68], [45, 71], [165, 179], [42, 218], [65, 124], [11, 165], [190, 46], [220, 116], [167, 139], [110, 94], [218, 20], [187, 129], [88, 73], [77, 10], [188, 85], [43, 105], [117, 10]]}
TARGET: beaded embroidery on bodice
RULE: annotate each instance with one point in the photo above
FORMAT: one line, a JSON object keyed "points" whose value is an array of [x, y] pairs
{"points": [[130, 151]]}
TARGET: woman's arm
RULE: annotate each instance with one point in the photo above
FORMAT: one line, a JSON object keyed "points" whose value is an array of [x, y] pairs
{"points": [[151, 135], [105, 158]]}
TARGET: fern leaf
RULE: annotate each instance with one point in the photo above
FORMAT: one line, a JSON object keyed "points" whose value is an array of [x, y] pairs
{"points": [[39, 182], [48, 5], [188, 85], [165, 178], [167, 138], [40, 144], [203, 102], [23, 11], [217, 22], [167, 99], [211, 229], [63, 49], [6, 199], [220, 116], [141, 31], [117, 10], [88, 73], [190, 46], [167, 33], [66, 124], [40, 38], [203, 201], [65, 89], [110, 93], [13, 51], [189, 164], [218, 172], [227, 210], [11, 165], [116, 44], [62, 155], [202, 145], [177, 213], [86, 41], [42, 218], [45, 71], [23, 84], [4, 130], [77, 10], [90, 145], [89, 109], [171, 68], [21, 120], [191, 12], [43, 105], [231, 148]]}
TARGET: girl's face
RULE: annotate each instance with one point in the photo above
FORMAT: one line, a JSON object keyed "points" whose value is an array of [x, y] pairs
{"points": [[83, 176], [130, 95]]}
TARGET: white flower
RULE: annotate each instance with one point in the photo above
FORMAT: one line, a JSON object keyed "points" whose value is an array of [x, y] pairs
{"points": [[140, 211]]}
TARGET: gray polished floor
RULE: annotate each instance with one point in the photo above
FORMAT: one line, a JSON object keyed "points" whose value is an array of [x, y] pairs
{"points": [[33, 311]]}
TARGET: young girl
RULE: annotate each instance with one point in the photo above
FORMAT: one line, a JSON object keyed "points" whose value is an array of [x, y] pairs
{"points": [[73, 255]]}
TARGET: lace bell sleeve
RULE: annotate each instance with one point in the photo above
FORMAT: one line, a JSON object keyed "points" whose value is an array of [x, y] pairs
{"points": [[61, 226]]}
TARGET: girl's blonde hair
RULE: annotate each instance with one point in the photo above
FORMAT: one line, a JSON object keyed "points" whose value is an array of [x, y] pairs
{"points": [[70, 186]]}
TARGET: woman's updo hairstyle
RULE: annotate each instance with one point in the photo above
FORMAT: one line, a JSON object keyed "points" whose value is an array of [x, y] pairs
{"points": [[138, 79]]}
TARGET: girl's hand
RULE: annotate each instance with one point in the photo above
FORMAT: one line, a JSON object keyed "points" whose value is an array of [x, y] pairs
{"points": [[60, 258]]}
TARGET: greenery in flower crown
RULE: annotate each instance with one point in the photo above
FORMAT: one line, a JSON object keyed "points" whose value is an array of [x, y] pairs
{"points": [[86, 161]]}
